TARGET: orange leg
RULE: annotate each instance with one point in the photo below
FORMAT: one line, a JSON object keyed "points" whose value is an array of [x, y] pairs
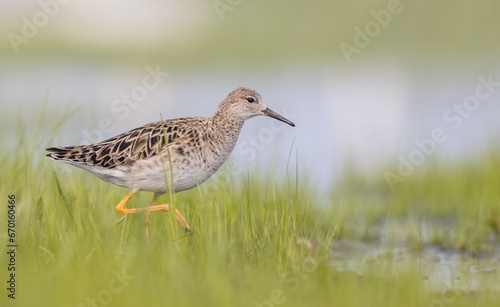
{"points": [[120, 208]]}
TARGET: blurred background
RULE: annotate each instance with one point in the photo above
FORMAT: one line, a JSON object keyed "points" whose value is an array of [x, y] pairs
{"points": [[362, 80]]}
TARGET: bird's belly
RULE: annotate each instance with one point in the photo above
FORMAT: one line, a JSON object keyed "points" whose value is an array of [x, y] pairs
{"points": [[157, 178]]}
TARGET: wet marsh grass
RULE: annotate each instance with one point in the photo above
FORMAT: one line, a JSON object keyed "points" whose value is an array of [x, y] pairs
{"points": [[255, 242]]}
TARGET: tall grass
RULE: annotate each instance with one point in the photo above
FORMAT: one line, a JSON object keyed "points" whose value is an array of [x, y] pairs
{"points": [[255, 242]]}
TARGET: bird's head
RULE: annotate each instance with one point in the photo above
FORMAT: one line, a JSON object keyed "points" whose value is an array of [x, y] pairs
{"points": [[244, 103]]}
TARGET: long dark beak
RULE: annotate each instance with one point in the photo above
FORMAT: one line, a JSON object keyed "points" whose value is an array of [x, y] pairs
{"points": [[271, 113]]}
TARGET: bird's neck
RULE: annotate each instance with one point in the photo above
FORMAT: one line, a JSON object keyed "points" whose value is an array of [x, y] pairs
{"points": [[230, 125], [225, 130]]}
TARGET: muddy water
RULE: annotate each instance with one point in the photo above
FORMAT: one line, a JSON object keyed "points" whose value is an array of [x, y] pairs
{"points": [[440, 270]]}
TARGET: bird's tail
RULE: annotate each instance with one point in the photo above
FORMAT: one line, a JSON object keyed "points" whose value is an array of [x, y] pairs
{"points": [[70, 153]]}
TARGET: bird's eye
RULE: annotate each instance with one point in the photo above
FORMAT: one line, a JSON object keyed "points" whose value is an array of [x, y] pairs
{"points": [[251, 99]]}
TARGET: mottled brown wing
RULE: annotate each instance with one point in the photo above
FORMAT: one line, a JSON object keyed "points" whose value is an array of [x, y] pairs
{"points": [[126, 148]]}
